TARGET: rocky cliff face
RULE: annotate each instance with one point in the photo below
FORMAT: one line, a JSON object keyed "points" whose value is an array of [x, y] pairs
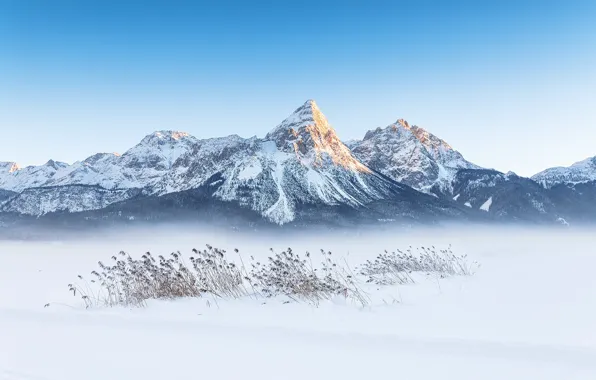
{"points": [[411, 155]]}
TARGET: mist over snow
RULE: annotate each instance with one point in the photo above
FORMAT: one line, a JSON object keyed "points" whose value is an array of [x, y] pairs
{"points": [[527, 312]]}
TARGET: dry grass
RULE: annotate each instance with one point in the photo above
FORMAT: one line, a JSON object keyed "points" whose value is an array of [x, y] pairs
{"points": [[131, 282], [288, 274], [396, 267]]}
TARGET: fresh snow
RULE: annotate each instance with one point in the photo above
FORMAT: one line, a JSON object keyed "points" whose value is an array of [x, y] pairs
{"points": [[251, 171], [509, 321], [486, 205], [15, 178]]}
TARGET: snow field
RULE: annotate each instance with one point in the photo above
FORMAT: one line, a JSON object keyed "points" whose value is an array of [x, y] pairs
{"points": [[528, 313]]}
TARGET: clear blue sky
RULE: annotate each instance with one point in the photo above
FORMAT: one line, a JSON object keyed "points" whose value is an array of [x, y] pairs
{"points": [[510, 84]]}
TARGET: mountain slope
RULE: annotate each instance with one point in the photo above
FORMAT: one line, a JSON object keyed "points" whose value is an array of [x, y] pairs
{"points": [[141, 166], [411, 155], [5, 195], [582, 171], [504, 196], [577, 201], [17, 179], [71, 198]]}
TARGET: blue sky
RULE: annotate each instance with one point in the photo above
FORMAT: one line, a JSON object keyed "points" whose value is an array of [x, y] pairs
{"points": [[510, 84]]}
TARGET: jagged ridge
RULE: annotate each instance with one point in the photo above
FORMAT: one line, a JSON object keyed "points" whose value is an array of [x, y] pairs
{"points": [[411, 155]]}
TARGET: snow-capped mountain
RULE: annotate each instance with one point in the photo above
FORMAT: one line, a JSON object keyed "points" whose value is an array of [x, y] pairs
{"points": [[411, 155], [14, 178], [141, 166], [582, 171], [97, 181], [572, 188], [301, 161]]}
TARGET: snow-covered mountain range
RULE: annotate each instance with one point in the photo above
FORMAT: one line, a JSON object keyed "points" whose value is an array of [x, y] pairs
{"points": [[301, 162], [299, 172], [143, 165]]}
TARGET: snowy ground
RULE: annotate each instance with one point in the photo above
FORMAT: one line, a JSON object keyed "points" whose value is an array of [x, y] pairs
{"points": [[529, 313]]}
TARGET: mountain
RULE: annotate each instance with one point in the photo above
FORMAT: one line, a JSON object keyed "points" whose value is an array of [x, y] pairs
{"points": [[300, 162], [8, 167], [14, 178], [411, 155], [142, 166], [95, 182], [580, 172], [573, 188], [576, 200], [505, 196], [300, 172]]}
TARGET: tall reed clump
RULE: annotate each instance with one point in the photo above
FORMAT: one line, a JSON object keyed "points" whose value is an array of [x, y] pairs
{"points": [[397, 267], [288, 274], [131, 282]]}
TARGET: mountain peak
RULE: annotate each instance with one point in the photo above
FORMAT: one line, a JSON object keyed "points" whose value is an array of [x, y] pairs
{"points": [[430, 141], [92, 160], [305, 115], [310, 103], [409, 154], [310, 106], [55, 164], [9, 167], [403, 123], [164, 136], [307, 133]]}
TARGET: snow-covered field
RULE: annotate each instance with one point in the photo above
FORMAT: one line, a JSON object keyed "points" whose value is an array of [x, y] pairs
{"points": [[528, 313]]}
